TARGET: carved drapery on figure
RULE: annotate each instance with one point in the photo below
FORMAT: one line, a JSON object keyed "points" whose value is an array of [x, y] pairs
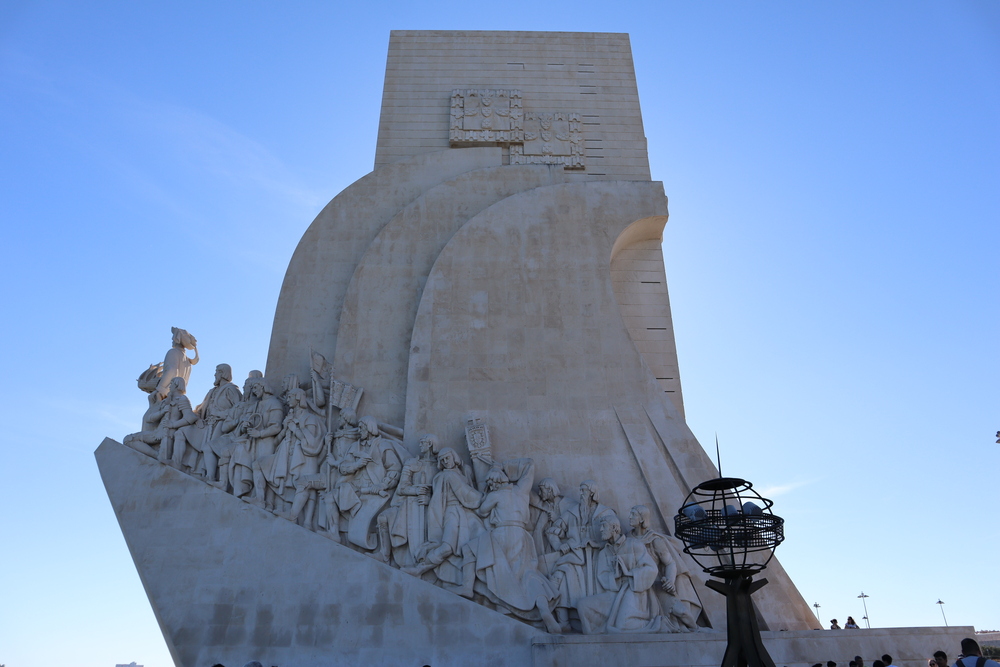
{"points": [[479, 529], [501, 564], [675, 589], [624, 600], [403, 526], [451, 520], [371, 471]]}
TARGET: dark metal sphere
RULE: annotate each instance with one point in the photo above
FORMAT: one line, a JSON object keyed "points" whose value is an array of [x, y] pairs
{"points": [[723, 521]]}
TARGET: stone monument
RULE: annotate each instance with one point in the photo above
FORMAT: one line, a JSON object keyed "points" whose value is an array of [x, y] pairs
{"points": [[469, 438]]}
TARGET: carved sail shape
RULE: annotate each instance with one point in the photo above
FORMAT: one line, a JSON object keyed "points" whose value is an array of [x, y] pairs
{"points": [[373, 342], [312, 295]]}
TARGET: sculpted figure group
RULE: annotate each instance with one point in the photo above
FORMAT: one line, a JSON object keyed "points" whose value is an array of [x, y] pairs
{"points": [[482, 529]]}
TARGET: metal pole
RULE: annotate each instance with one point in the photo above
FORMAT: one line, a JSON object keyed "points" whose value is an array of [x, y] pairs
{"points": [[744, 647], [816, 605], [942, 612], [863, 601]]}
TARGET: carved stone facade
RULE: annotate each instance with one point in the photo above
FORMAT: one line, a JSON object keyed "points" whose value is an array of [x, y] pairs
{"points": [[473, 530], [487, 117]]}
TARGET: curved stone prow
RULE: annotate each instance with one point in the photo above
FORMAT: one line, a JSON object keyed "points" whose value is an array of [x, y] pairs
{"points": [[229, 583]]}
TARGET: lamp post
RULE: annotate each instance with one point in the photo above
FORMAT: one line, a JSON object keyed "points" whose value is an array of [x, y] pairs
{"points": [[816, 607], [942, 612], [863, 601], [721, 523]]}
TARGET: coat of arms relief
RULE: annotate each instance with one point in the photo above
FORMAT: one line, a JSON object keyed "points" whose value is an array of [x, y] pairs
{"points": [[495, 116]]}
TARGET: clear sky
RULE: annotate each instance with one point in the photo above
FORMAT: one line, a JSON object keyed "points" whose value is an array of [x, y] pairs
{"points": [[834, 180]]}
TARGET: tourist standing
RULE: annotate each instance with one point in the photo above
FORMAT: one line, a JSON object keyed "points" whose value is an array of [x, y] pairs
{"points": [[972, 656]]}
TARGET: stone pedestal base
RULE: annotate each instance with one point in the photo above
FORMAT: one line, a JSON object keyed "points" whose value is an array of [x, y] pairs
{"points": [[230, 583]]}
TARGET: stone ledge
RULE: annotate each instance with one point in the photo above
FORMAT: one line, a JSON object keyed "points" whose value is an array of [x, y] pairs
{"points": [[911, 647]]}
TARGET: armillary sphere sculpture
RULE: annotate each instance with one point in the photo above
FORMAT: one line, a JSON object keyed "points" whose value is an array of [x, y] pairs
{"points": [[729, 530]]}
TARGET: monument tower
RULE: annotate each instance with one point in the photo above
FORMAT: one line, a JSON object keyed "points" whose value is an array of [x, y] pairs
{"points": [[471, 400]]}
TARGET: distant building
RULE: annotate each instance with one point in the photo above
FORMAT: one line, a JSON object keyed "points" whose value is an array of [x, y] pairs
{"points": [[988, 637]]}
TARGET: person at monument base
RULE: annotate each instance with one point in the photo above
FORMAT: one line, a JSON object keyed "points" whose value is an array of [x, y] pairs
{"points": [[972, 655]]}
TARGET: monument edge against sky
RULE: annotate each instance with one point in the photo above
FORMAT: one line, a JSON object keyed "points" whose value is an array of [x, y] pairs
{"points": [[495, 282]]}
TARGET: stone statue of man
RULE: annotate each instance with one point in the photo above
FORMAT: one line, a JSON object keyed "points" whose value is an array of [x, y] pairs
{"points": [[403, 525], [212, 412], [676, 592], [626, 574], [502, 563], [176, 362], [268, 477], [371, 471], [177, 415], [303, 438]]}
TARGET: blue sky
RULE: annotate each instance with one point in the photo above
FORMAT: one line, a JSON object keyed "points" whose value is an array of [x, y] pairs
{"points": [[833, 174]]}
